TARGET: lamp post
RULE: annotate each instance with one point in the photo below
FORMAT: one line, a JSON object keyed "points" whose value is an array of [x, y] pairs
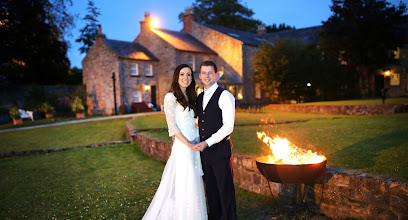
{"points": [[114, 91]]}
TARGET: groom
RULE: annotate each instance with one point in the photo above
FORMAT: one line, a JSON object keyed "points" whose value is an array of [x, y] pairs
{"points": [[216, 115]]}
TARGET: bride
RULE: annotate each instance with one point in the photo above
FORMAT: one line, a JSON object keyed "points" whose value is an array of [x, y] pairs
{"points": [[181, 192]]}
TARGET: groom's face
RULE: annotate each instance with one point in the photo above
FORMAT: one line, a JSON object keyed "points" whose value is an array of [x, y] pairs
{"points": [[208, 76]]}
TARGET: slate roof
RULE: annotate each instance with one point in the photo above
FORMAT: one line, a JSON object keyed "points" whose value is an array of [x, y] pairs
{"points": [[130, 50], [306, 35], [183, 41]]}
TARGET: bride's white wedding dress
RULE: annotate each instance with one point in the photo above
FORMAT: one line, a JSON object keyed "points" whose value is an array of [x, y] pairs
{"points": [[181, 192]]}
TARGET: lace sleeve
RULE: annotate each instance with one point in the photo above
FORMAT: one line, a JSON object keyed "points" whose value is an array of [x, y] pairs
{"points": [[170, 103]]}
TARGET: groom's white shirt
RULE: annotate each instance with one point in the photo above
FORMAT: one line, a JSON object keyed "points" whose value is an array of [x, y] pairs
{"points": [[227, 105]]}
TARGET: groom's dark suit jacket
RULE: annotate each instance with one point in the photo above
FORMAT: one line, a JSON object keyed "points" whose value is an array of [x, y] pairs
{"points": [[216, 161], [210, 121]]}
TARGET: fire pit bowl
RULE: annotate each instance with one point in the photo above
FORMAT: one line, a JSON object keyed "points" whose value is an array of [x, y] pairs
{"points": [[290, 174]]}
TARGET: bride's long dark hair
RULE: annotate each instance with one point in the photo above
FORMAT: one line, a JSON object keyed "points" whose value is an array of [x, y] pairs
{"points": [[190, 90]]}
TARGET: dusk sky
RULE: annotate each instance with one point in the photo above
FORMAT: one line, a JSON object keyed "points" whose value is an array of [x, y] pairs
{"points": [[120, 19]]}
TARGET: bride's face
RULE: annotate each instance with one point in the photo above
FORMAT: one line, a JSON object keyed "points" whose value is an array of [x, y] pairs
{"points": [[185, 77]]}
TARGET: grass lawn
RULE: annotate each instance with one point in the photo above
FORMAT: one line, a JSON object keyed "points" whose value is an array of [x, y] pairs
{"points": [[42, 121], [361, 102], [241, 118], [111, 182], [376, 144], [64, 136]]}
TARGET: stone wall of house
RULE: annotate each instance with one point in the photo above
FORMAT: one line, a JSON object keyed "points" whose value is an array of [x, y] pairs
{"points": [[229, 50], [342, 109], [167, 56], [340, 194], [249, 85], [97, 67], [131, 83]]}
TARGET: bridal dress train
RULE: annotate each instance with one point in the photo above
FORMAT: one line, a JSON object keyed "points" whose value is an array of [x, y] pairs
{"points": [[181, 191]]}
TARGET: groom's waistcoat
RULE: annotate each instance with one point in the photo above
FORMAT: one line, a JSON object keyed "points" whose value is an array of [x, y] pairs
{"points": [[210, 119]]}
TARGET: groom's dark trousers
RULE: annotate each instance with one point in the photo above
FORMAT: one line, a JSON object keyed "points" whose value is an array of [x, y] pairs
{"points": [[216, 161]]}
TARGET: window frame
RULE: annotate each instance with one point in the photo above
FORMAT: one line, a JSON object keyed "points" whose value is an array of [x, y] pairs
{"points": [[150, 74], [136, 69], [192, 64], [140, 93]]}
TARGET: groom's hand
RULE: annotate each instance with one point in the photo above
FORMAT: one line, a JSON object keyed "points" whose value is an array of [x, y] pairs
{"points": [[201, 146]]}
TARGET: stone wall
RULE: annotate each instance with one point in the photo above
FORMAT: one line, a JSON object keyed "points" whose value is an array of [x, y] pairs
{"points": [[342, 109], [249, 85], [98, 65], [129, 84], [229, 50], [340, 194]]}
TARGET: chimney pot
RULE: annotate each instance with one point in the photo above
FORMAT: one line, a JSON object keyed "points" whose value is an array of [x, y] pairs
{"points": [[261, 29], [99, 33]]}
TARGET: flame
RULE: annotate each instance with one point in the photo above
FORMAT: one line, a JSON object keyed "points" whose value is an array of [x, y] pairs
{"points": [[284, 152]]}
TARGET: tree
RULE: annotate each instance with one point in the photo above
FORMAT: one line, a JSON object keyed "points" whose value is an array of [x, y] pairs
{"points": [[274, 28], [225, 13], [286, 68], [32, 43], [361, 34], [88, 33]]}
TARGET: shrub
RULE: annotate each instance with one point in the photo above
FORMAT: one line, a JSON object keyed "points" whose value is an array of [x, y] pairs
{"points": [[14, 113], [46, 108], [77, 106]]}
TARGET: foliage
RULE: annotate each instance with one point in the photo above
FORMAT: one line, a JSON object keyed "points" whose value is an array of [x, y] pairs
{"points": [[285, 68], [77, 106], [88, 33], [33, 46], [274, 28], [46, 108], [225, 13], [74, 76], [361, 34], [14, 113]]}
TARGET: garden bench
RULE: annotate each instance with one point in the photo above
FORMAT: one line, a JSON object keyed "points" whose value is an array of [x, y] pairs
{"points": [[26, 114]]}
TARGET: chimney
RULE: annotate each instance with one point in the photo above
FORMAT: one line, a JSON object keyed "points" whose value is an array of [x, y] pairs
{"points": [[99, 33], [261, 29], [98, 38], [145, 25], [188, 19]]}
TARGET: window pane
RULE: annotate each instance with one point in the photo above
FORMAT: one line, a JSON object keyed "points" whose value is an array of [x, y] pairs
{"points": [[149, 70], [134, 69], [258, 90], [191, 62], [395, 79], [137, 96]]}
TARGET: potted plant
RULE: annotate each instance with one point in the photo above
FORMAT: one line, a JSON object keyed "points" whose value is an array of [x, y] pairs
{"points": [[47, 109], [78, 108], [15, 114]]}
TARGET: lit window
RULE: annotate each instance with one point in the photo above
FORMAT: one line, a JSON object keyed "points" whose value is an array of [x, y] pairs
{"points": [[149, 70], [191, 62], [232, 90], [134, 69], [395, 79], [397, 53], [258, 90], [239, 93], [137, 96]]}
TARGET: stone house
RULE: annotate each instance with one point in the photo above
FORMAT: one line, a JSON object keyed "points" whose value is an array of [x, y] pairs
{"points": [[144, 67], [160, 50], [134, 68]]}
